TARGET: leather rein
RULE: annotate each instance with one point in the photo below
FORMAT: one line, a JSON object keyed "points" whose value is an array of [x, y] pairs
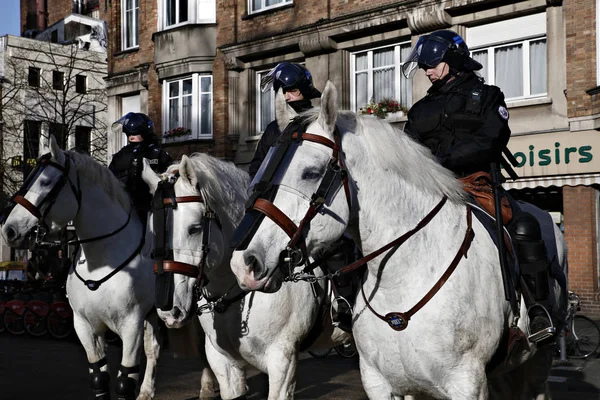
{"points": [[297, 253]]}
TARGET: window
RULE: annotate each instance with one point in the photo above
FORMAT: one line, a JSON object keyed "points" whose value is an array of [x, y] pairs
{"points": [[82, 139], [376, 74], [176, 12], [31, 145], [81, 84], [58, 80], [265, 104], [261, 5], [59, 131], [519, 69], [179, 12], [34, 77], [187, 108], [513, 55], [54, 36], [129, 23]]}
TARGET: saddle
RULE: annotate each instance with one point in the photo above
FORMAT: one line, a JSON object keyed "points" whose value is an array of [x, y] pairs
{"points": [[479, 185]]}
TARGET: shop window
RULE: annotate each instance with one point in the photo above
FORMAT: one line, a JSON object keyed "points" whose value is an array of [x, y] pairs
{"points": [[129, 23], [261, 5], [187, 108], [376, 75]]}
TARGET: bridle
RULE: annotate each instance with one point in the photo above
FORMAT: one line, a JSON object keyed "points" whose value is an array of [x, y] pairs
{"points": [[260, 201], [164, 202], [261, 198], [43, 208]]}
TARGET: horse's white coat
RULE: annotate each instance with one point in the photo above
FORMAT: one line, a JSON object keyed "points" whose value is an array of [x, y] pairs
{"points": [[122, 303], [261, 330], [395, 182]]}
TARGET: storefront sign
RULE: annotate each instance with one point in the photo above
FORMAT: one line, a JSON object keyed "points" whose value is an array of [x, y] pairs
{"points": [[559, 153]]}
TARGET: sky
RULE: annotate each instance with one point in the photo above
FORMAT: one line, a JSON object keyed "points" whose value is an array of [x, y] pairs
{"points": [[10, 17]]}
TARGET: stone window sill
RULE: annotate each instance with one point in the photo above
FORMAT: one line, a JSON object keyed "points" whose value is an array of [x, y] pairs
{"points": [[529, 102]]}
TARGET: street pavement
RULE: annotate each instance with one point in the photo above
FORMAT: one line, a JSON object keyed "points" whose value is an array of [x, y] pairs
{"points": [[44, 368]]}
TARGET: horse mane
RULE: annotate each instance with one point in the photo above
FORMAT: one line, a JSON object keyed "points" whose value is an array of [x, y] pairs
{"points": [[394, 150], [101, 176], [223, 185]]}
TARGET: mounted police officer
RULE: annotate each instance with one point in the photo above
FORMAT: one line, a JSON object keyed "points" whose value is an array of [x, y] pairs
{"points": [[127, 164], [465, 124], [297, 85]]}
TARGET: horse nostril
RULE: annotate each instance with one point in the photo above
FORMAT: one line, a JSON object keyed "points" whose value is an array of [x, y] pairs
{"points": [[11, 234], [176, 312], [255, 266]]}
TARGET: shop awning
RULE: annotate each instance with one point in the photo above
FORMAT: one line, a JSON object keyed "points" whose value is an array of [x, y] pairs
{"points": [[547, 181]]}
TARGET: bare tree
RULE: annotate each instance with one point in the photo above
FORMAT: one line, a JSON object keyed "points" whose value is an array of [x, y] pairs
{"points": [[50, 89]]}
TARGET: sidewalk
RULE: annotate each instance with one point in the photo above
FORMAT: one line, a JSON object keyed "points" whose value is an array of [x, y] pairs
{"points": [[576, 379]]}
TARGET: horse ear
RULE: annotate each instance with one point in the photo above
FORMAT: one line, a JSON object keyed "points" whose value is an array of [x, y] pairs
{"points": [[328, 111], [186, 171], [149, 176], [283, 112], [56, 152]]}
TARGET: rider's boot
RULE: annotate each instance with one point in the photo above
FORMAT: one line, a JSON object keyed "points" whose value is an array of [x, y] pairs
{"points": [[534, 266], [100, 380], [342, 255], [125, 385]]}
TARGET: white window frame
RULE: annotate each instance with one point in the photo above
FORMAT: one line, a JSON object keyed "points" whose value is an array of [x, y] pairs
{"points": [[525, 44], [196, 114], [134, 28], [264, 8], [353, 72], [199, 12], [259, 102]]}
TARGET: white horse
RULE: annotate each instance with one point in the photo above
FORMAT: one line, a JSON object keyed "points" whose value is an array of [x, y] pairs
{"points": [[260, 330], [394, 183], [69, 186]]}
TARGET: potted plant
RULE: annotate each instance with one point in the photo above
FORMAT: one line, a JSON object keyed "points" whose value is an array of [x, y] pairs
{"points": [[176, 133], [386, 108]]}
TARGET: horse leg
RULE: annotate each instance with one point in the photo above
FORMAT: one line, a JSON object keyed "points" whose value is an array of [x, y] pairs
{"points": [[209, 388], [281, 366], [127, 379], [95, 351], [231, 377], [468, 382], [152, 350], [375, 385]]}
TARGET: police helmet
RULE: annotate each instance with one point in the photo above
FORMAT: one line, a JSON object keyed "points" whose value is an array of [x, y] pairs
{"points": [[440, 46], [134, 124], [289, 76]]}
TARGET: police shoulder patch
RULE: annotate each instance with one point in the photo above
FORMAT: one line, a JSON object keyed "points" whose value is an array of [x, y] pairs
{"points": [[503, 112]]}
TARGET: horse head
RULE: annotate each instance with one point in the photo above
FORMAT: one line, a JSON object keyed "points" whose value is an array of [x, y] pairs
{"points": [[52, 182], [302, 196], [190, 227]]}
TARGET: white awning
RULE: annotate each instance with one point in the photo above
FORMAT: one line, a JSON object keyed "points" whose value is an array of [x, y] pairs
{"points": [[547, 181]]}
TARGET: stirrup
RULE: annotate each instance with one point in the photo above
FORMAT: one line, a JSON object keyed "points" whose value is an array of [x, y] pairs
{"points": [[335, 321], [543, 334]]}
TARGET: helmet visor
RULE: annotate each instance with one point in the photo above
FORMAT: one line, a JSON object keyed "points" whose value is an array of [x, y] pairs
{"points": [[129, 124], [427, 53]]}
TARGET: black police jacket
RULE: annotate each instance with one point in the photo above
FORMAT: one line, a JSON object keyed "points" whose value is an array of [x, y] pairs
{"points": [[127, 166], [270, 136], [464, 123]]}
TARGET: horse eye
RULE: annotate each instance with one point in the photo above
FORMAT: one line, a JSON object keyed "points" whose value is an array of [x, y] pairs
{"points": [[45, 182], [195, 229], [311, 174]]}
